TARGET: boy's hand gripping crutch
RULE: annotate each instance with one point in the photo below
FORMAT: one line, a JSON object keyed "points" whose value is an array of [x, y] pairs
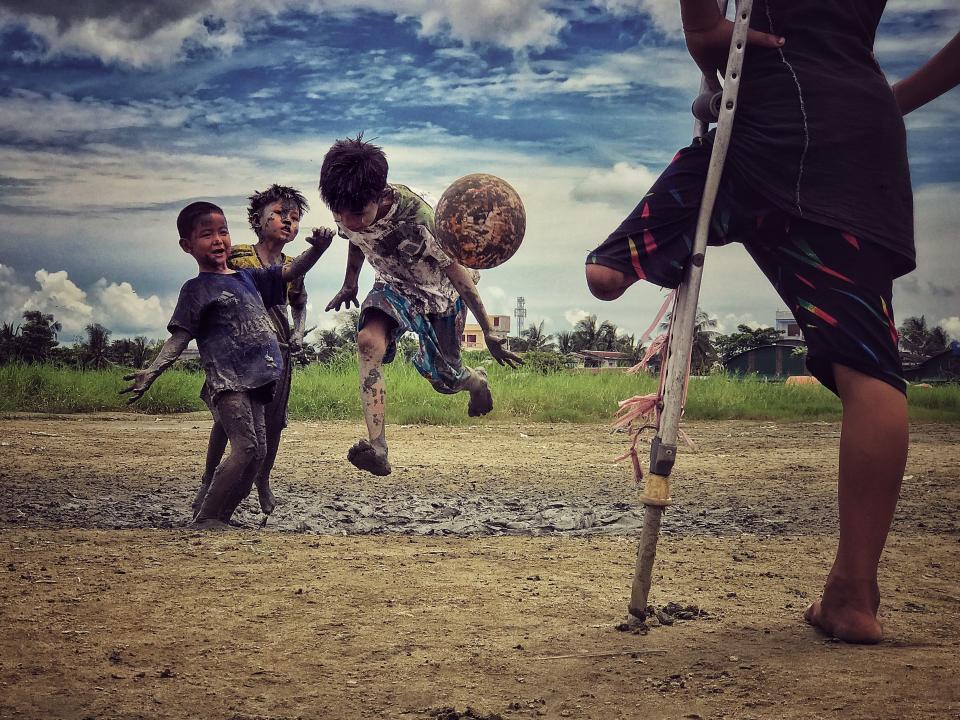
{"points": [[663, 448]]}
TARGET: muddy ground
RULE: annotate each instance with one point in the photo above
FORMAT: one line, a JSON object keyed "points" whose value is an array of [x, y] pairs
{"points": [[485, 578]]}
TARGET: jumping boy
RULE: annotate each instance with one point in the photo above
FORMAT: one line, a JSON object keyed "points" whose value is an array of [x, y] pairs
{"points": [[274, 217], [816, 186], [418, 289], [226, 311]]}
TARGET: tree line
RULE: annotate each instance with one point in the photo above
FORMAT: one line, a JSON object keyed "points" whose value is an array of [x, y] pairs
{"points": [[35, 340]]}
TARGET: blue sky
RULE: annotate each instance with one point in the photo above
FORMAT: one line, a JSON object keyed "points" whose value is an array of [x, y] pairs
{"points": [[115, 115]]}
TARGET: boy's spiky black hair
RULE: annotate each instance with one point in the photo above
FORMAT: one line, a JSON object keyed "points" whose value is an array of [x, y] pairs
{"points": [[353, 174], [188, 217], [274, 193]]}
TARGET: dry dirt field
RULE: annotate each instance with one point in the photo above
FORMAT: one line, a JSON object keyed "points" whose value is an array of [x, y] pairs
{"points": [[486, 578]]}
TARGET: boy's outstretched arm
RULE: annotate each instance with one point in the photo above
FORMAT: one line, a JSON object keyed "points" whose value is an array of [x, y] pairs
{"points": [[468, 291], [143, 379], [708, 35], [319, 241], [348, 292], [938, 75]]}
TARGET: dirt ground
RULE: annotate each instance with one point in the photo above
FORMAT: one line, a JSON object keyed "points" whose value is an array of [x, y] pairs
{"points": [[486, 578]]}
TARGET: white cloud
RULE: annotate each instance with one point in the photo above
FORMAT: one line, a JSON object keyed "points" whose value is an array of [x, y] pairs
{"points": [[31, 116], [952, 326], [116, 306], [618, 185], [575, 316]]}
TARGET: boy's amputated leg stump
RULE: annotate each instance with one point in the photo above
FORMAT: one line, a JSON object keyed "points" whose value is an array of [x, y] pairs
{"points": [[371, 454], [873, 454]]}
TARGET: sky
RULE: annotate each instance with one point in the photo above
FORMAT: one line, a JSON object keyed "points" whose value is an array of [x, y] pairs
{"points": [[113, 116]]}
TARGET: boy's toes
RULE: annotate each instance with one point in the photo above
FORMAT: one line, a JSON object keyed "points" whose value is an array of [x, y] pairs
{"points": [[268, 502], [481, 400], [844, 624], [366, 457], [208, 524]]}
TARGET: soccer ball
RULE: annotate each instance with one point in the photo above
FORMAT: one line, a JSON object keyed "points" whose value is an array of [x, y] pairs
{"points": [[480, 221]]}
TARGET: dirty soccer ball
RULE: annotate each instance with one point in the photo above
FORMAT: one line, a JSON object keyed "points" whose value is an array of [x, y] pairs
{"points": [[480, 221]]}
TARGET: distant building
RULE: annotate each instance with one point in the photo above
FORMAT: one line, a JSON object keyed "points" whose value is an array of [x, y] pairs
{"points": [[787, 326], [472, 337], [600, 359], [780, 360], [944, 367]]}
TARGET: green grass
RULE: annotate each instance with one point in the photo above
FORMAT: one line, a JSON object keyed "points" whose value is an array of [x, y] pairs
{"points": [[321, 393]]}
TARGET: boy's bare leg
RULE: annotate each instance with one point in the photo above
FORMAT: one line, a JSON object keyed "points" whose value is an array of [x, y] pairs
{"points": [[215, 448], [873, 454], [237, 417], [268, 502], [481, 400], [371, 455]]}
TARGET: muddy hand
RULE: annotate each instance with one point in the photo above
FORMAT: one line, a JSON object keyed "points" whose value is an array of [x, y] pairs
{"points": [[501, 354], [347, 295], [141, 383], [321, 238]]}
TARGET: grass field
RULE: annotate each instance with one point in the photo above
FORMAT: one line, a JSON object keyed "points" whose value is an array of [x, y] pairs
{"points": [[323, 393]]}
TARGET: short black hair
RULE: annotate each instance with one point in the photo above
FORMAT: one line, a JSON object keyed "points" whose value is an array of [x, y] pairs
{"points": [[274, 193], [353, 174], [187, 219]]}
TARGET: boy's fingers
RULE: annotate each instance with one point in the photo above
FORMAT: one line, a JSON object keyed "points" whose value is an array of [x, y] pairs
{"points": [[131, 376], [762, 39]]}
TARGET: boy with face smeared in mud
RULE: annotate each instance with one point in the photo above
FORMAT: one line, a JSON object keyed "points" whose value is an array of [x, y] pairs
{"points": [[418, 289], [274, 216], [226, 311]]}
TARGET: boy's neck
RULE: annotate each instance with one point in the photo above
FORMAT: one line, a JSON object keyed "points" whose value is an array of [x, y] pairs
{"points": [[386, 202], [269, 252]]}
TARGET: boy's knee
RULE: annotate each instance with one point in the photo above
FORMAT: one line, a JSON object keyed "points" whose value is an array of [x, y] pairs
{"points": [[371, 344], [606, 283]]}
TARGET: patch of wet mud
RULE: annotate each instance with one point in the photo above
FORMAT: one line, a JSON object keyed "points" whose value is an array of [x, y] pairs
{"points": [[303, 510]]}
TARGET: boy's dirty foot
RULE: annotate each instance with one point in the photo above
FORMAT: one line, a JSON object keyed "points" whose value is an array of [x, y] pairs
{"points": [[481, 401], [847, 611], [367, 456], [208, 524], [268, 502], [201, 494]]}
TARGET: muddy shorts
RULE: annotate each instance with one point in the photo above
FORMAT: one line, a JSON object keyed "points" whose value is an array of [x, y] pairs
{"points": [[838, 286], [438, 358]]}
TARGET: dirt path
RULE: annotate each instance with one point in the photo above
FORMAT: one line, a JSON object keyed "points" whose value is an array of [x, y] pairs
{"points": [[491, 570]]}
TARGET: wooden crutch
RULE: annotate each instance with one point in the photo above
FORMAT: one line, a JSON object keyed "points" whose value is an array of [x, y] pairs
{"points": [[663, 447]]}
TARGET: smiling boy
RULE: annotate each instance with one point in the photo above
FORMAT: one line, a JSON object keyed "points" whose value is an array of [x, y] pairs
{"points": [[226, 311], [274, 215]]}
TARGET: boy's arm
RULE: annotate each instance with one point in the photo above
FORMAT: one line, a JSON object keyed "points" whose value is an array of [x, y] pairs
{"points": [[319, 241], [708, 35], [939, 74], [299, 312], [143, 379], [348, 292], [468, 291]]}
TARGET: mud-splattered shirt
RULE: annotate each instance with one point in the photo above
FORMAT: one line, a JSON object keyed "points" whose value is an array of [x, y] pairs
{"points": [[406, 255], [227, 314], [245, 257]]}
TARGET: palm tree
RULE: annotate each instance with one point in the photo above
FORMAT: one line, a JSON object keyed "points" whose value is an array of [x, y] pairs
{"points": [[537, 341], [564, 342], [96, 346], [9, 342], [702, 352], [585, 333]]}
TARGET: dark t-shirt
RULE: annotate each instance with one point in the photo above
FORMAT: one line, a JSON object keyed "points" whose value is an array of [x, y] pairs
{"points": [[817, 129], [227, 314]]}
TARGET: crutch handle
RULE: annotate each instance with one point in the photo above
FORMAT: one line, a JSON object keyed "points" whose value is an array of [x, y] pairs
{"points": [[706, 108]]}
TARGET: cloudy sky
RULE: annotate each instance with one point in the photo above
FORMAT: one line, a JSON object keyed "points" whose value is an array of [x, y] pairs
{"points": [[115, 115]]}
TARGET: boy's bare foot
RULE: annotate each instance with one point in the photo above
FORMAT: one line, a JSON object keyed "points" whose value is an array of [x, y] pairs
{"points": [[847, 611], [481, 401], [367, 456], [268, 502], [201, 494], [208, 524]]}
